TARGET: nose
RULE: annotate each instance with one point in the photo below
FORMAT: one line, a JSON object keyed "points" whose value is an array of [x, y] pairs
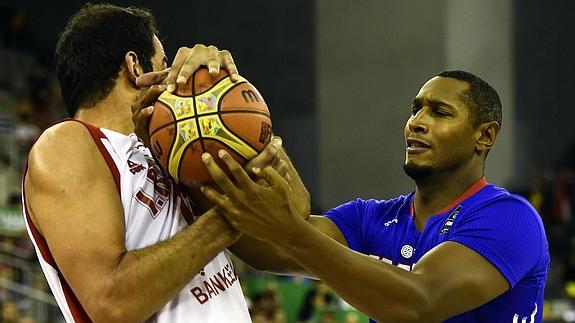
{"points": [[417, 122]]}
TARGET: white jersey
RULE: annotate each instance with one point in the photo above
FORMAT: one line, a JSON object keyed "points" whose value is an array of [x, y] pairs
{"points": [[154, 210]]}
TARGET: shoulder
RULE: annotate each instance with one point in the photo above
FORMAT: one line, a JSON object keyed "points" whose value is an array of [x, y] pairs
{"points": [[495, 207], [500, 200], [61, 138], [368, 207], [61, 153]]}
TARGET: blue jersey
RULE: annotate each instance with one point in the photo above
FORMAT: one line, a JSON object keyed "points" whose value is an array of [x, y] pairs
{"points": [[502, 227]]}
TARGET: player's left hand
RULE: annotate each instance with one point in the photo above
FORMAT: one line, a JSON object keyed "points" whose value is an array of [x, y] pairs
{"points": [[263, 211]]}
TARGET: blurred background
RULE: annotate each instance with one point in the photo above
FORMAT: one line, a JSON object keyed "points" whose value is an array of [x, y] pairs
{"points": [[339, 77]]}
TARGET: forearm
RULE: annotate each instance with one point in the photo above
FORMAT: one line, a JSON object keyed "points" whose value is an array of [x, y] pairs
{"points": [[145, 279], [382, 291], [264, 256]]}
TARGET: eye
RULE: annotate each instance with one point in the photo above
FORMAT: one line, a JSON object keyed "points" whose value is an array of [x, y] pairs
{"points": [[414, 110], [441, 112]]}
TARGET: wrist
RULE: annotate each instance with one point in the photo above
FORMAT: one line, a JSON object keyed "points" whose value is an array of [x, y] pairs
{"points": [[293, 234]]}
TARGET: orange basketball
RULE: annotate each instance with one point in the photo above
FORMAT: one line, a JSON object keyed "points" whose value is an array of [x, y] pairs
{"points": [[206, 115]]}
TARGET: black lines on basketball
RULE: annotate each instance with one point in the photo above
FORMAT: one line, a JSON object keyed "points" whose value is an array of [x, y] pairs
{"points": [[198, 129]]}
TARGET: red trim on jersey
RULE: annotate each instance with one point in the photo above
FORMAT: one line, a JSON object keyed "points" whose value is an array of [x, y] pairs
{"points": [[469, 192], [78, 312], [42, 245], [98, 135]]}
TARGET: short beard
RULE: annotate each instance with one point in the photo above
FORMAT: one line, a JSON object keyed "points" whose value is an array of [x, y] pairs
{"points": [[417, 172]]}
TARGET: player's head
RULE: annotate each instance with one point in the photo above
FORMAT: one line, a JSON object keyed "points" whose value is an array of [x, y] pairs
{"points": [[455, 119], [98, 41]]}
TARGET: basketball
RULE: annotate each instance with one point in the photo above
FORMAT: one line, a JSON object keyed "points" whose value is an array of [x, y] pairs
{"points": [[206, 115]]}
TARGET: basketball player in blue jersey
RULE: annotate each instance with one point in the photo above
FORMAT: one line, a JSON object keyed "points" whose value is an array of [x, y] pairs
{"points": [[456, 249]]}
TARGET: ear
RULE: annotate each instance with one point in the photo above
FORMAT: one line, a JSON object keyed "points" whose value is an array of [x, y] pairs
{"points": [[486, 136], [133, 67]]}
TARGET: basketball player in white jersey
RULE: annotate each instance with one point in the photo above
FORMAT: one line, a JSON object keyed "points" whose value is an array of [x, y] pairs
{"points": [[117, 240]]}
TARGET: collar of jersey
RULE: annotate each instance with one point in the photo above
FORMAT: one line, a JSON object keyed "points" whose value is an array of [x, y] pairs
{"points": [[469, 192]]}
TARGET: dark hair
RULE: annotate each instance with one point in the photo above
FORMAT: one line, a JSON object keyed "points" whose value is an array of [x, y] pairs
{"points": [[482, 98], [92, 47]]}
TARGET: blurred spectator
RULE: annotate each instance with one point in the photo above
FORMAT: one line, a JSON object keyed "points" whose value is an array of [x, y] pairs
{"points": [[352, 318], [327, 317], [10, 311], [26, 318], [318, 298], [266, 307]]}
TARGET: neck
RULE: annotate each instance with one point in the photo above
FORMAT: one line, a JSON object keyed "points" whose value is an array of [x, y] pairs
{"points": [[113, 112], [438, 191]]}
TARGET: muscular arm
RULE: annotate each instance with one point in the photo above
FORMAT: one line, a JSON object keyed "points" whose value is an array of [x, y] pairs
{"points": [[448, 280], [264, 256], [73, 201]]}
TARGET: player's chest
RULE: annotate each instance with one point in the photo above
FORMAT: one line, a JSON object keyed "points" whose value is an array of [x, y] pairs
{"points": [[403, 244]]}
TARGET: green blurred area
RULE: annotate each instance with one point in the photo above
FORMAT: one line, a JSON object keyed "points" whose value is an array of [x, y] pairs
{"points": [[292, 292]]}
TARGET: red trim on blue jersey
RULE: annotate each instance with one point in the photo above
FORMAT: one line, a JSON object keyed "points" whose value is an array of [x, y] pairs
{"points": [[469, 192]]}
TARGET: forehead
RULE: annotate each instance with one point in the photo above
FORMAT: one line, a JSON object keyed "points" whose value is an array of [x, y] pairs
{"points": [[443, 89]]}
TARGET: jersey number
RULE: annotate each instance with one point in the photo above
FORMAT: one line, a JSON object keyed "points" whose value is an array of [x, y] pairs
{"points": [[157, 200]]}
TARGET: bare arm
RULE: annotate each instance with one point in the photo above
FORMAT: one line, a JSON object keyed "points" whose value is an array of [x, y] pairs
{"points": [[423, 295], [74, 203], [264, 256], [383, 291]]}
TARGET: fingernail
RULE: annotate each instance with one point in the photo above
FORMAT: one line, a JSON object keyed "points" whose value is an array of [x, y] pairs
{"points": [[181, 79], [256, 170], [150, 109], [221, 153], [205, 156], [277, 141], [171, 88], [162, 87], [212, 70], [203, 188]]}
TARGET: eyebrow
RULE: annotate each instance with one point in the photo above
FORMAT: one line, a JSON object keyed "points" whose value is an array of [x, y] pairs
{"points": [[419, 101]]}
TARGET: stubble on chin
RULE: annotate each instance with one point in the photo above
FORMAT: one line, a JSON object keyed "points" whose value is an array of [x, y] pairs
{"points": [[417, 172]]}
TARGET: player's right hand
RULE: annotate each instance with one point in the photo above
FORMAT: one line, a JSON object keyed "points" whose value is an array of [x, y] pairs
{"points": [[143, 108]]}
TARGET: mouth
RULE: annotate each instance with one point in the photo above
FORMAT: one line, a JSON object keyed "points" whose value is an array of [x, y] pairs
{"points": [[415, 143], [415, 146]]}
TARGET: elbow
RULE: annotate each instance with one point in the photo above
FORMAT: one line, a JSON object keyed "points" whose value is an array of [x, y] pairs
{"points": [[106, 311], [110, 307]]}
